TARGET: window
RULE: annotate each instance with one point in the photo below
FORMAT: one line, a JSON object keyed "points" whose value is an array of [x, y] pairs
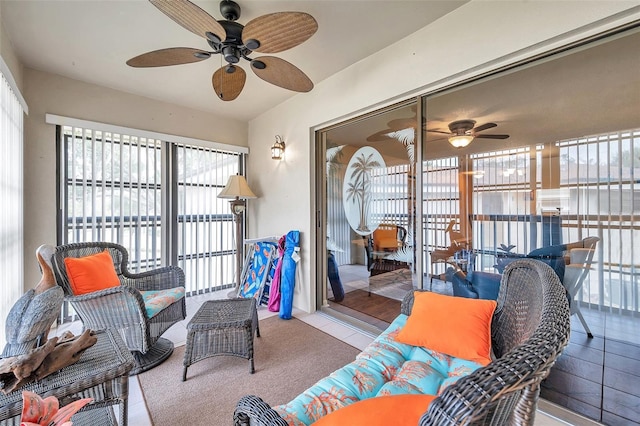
{"points": [[11, 193], [503, 212], [156, 197], [206, 247], [599, 180], [441, 199], [112, 192]]}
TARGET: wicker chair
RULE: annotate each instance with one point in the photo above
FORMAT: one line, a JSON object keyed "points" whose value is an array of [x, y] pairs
{"points": [[122, 308], [385, 240], [457, 241], [530, 328]]}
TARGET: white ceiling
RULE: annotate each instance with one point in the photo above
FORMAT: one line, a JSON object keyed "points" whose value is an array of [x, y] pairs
{"points": [[587, 91], [90, 41]]}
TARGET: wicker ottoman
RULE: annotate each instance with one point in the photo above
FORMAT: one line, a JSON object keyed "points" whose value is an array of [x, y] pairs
{"points": [[221, 327]]}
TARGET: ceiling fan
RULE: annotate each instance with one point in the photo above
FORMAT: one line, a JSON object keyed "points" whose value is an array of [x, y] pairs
{"points": [[270, 33], [462, 132]]}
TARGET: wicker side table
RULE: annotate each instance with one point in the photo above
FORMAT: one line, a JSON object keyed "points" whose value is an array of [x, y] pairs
{"points": [[222, 327], [102, 373]]}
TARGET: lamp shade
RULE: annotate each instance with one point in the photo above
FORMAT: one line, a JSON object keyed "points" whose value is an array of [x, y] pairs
{"points": [[460, 141], [237, 188]]}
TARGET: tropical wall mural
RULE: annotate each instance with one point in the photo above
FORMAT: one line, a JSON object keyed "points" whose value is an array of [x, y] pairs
{"points": [[361, 185]]}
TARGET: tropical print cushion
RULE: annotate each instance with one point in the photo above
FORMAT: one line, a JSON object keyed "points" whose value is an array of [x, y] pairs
{"points": [[384, 367], [157, 300]]}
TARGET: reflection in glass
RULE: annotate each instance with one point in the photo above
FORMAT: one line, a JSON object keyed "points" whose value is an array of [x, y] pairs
{"points": [[370, 209]]}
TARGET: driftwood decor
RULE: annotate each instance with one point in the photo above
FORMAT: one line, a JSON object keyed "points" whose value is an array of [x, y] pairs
{"points": [[55, 354]]}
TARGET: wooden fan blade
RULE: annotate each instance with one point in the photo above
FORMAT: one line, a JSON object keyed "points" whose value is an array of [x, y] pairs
{"points": [[228, 85], [438, 131], [279, 31], [165, 57], [484, 127], [191, 17], [402, 123], [380, 136], [492, 136], [283, 74]]}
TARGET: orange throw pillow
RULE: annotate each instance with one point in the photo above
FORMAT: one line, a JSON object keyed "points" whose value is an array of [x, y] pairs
{"points": [[91, 273], [394, 410], [456, 326]]}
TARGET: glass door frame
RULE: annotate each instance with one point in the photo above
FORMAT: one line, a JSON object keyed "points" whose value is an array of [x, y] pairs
{"points": [[319, 267]]}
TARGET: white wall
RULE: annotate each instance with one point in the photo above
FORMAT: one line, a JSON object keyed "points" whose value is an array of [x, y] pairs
{"points": [[49, 93], [9, 56], [480, 36]]}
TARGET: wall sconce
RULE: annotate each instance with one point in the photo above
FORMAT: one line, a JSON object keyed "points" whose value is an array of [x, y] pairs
{"points": [[460, 141], [277, 149]]}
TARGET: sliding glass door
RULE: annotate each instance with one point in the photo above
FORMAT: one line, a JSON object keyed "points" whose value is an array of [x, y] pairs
{"points": [[370, 211], [550, 169], [551, 172]]}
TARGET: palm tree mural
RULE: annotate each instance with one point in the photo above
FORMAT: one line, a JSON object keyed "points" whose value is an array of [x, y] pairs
{"points": [[358, 189], [406, 137]]}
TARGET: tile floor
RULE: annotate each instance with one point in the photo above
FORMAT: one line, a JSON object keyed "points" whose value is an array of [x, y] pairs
{"points": [[548, 414]]}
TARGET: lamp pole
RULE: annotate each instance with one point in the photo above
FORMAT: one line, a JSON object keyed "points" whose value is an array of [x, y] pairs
{"points": [[237, 191], [237, 207]]}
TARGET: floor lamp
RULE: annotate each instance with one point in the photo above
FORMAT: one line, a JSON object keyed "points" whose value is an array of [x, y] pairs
{"points": [[238, 191]]}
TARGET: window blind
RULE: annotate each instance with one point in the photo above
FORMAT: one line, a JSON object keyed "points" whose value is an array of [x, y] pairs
{"points": [[156, 198], [11, 193]]}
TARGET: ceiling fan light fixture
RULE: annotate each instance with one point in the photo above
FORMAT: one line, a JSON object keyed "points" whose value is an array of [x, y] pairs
{"points": [[460, 141]]}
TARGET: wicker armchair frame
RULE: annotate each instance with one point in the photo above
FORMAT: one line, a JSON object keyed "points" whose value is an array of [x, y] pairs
{"points": [[122, 308], [530, 328]]}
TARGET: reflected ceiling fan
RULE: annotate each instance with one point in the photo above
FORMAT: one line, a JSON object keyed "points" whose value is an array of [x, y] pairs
{"points": [[396, 127], [271, 33], [462, 132]]}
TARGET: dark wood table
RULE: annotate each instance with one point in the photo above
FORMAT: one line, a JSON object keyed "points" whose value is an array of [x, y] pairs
{"points": [[102, 373]]}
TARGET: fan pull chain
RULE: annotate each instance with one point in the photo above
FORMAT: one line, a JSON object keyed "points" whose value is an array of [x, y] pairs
{"points": [[221, 80]]}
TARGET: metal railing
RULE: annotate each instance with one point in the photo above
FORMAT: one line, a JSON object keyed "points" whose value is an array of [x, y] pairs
{"points": [[129, 230]]}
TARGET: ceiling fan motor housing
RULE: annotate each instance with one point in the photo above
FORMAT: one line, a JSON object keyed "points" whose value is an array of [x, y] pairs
{"points": [[231, 47], [231, 54], [230, 10], [461, 127]]}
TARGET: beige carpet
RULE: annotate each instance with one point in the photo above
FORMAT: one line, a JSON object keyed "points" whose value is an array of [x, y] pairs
{"points": [[289, 357]]}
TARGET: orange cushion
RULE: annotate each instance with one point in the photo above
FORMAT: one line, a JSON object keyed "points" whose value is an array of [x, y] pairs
{"points": [[91, 273], [456, 326], [386, 237], [394, 410]]}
